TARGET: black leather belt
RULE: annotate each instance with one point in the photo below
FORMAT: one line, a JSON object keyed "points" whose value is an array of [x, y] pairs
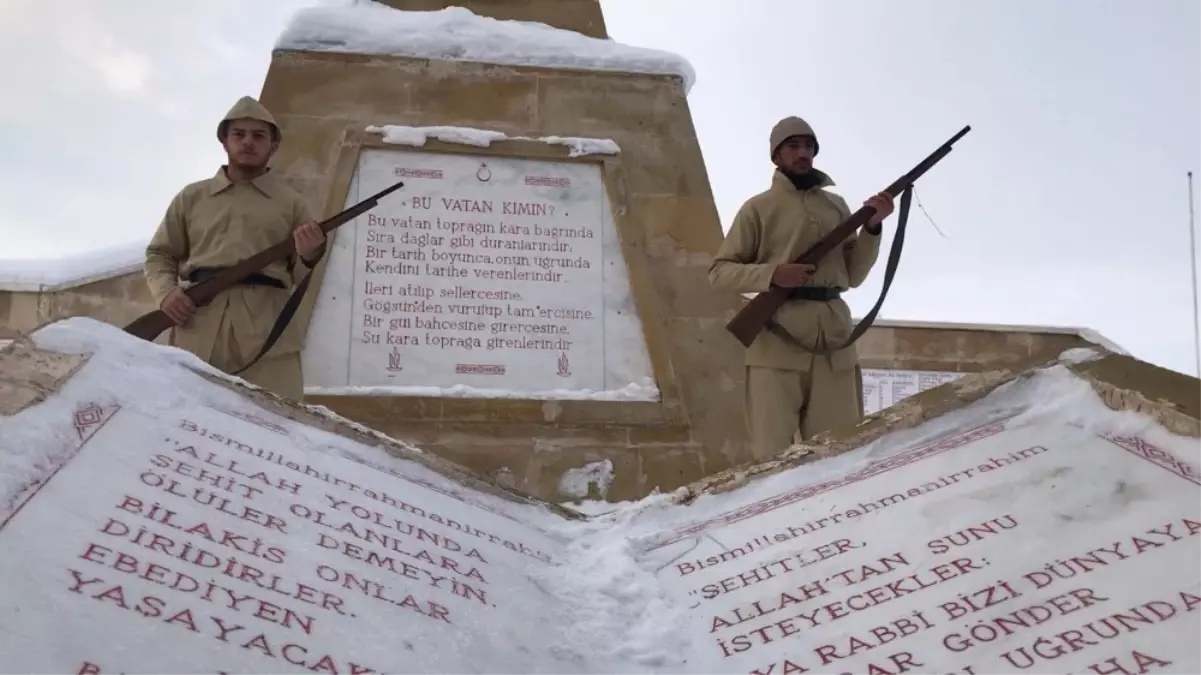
{"points": [[818, 293], [202, 274]]}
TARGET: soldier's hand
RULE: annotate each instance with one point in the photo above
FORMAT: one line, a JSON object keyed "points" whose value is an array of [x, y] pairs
{"points": [[309, 240], [178, 307], [792, 275], [882, 203]]}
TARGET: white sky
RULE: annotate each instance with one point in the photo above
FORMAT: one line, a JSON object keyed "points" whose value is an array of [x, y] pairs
{"points": [[1067, 204]]}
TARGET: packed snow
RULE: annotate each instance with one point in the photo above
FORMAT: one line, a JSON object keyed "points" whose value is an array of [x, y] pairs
{"points": [[684, 582], [458, 34], [580, 481], [481, 138]]}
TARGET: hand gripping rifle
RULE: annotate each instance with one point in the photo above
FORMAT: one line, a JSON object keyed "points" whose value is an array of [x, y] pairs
{"points": [[150, 325], [757, 314]]}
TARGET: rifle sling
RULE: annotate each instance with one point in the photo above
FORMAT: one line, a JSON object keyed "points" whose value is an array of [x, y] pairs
{"points": [[890, 270], [281, 321]]}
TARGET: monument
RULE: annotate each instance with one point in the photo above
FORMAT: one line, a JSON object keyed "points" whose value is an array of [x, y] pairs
{"points": [[533, 300], [158, 516]]}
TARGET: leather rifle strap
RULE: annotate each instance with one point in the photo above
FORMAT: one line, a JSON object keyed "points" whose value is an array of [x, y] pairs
{"points": [[285, 316]]}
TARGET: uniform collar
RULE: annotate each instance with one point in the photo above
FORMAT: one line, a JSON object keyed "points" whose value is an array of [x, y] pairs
{"points": [[265, 182], [779, 180]]}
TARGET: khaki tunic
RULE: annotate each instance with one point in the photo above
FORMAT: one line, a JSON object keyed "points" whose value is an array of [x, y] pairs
{"points": [[789, 390], [776, 227], [218, 223]]}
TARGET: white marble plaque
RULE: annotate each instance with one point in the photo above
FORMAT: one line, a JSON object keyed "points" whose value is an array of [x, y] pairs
{"points": [[488, 273], [1028, 549], [211, 540], [884, 387]]}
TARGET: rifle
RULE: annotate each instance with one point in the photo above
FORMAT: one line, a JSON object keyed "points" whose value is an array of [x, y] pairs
{"points": [[758, 312], [150, 325]]}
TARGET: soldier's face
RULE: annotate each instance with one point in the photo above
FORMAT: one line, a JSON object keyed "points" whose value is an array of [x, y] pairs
{"points": [[796, 154], [248, 143]]}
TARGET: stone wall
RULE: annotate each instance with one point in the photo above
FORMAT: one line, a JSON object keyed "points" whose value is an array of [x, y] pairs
{"points": [[663, 210], [117, 300]]}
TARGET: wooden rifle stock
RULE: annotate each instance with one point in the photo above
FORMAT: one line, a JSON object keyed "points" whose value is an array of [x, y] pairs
{"points": [[150, 325], [755, 314]]}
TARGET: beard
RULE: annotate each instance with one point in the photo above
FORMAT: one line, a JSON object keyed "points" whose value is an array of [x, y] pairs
{"points": [[803, 180]]}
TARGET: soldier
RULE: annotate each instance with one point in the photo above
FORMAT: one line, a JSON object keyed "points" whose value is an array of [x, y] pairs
{"points": [[789, 389], [217, 222]]}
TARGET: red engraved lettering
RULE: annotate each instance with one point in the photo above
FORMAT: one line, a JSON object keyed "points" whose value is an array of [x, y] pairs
{"points": [[1139, 663], [429, 269], [1109, 554], [972, 534], [787, 667], [879, 636]]}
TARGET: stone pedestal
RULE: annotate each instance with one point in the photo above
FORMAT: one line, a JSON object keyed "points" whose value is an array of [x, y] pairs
{"points": [[533, 304]]}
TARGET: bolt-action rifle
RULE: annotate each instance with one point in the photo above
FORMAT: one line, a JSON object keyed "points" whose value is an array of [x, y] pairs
{"points": [[757, 313], [150, 325]]}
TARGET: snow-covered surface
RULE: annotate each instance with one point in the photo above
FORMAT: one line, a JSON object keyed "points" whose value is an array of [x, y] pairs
{"points": [[417, 136], [1086, 333], [1081, 355], [580, 481], [458, 34], [635, 391], [50, 274], [1033, 531]]}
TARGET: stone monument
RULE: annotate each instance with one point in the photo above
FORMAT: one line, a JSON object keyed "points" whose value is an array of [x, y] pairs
{"points": [[534, 300]]}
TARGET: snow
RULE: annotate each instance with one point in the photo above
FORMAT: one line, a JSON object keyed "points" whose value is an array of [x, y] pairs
{"points": [[643, 390], [673, 583], [578, 482], [50, 274], [458, 34], [1081, 355], [417, 136]]}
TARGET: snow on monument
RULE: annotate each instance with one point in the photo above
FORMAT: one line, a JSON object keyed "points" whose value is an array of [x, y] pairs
{"points": [[534, 299], [157, 516], [1049, 526]]}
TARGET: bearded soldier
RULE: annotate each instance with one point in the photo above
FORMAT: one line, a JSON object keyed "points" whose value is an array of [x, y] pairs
{"points": [[789, 389], [220, 221]]}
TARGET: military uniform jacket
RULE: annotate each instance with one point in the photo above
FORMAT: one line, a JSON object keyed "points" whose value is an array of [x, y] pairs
{"points": [[776, 227], [217, 223]]}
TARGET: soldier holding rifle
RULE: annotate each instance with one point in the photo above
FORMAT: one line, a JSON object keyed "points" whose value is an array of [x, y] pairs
{"points": [[789, 389], [220, 221]]}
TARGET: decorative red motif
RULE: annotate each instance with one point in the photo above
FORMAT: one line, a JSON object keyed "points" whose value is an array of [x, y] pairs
{"points": [[802, 493], [432, 174], [87, 416], [546, 181], [87, 419], [1142, 448], [479, 369]]}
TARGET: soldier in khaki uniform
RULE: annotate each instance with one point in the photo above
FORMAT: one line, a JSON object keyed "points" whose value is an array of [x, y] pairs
{"points": [[790, 390], [217, 222]]}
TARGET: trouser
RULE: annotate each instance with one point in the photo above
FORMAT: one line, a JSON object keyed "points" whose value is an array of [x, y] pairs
{"points": [[782, 403], [224, 336]]}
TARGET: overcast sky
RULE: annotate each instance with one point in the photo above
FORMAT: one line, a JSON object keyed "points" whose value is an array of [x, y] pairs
{"points": [[1067, 204]]}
